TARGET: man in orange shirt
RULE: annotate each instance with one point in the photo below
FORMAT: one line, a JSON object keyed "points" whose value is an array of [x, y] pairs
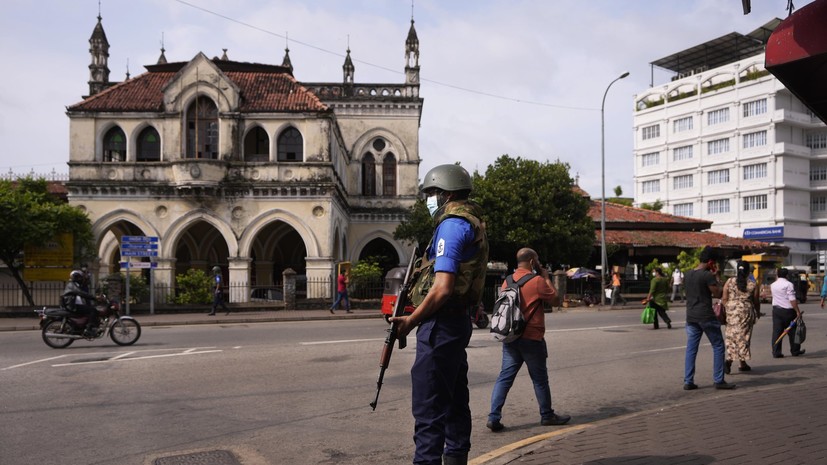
{"points": [[531, 348]]}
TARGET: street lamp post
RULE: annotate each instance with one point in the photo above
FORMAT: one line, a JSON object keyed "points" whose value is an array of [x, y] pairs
{"points": [[603, 192]]}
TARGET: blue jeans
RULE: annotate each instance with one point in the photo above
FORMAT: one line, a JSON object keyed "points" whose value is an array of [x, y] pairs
{"points": [[712, 329], [339, 297], [534, 355]]}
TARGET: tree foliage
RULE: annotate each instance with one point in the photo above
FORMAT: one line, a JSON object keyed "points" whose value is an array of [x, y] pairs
{"points": [[30, 214], [657, 205], [193, 287], [527, 203], [418, 227]]}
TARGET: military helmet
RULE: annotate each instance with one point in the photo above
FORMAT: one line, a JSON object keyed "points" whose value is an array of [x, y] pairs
{"points": [[216, 269], [448, 178]]}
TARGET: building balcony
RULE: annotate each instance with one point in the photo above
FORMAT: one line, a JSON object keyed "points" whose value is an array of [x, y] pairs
{"points": [[795, 118]]}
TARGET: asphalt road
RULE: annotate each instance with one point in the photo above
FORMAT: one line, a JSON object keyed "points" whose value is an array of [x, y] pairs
{"points": [[298, 392]]}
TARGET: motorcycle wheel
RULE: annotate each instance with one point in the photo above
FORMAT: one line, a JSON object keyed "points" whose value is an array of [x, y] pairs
{"points": [[482, 321], [125, 332], [56, 342]]}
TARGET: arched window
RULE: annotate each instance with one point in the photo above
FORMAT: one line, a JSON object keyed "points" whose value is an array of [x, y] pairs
{"points": [[368, 175], [114, 145], [389, 175], [202, 129], [291, 145], [257, 145], [149, 145]]}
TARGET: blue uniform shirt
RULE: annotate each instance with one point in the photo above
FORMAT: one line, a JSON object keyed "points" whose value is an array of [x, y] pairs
{"points": [[452, 239]]}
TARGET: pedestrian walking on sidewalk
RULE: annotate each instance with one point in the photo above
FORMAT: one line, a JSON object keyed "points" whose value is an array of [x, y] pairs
{"points": [[616, 289], [531, 347], [218, 292], [341, 291], [742, 303], [701, 286], [677, 284], [448, 288], [657, 298], [784, 311]]}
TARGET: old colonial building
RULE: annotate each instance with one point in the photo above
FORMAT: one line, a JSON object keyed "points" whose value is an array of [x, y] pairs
{"points": [[240, 165]]}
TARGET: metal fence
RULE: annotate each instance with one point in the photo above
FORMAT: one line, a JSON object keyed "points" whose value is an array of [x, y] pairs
{"points": [[43, 294]]}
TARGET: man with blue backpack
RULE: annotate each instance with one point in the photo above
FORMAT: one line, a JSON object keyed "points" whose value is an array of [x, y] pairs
{"points": [[530, 347]]}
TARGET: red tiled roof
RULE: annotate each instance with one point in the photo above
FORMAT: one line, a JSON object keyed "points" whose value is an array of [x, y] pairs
{"points": [[679, 239], [621, 216], [263, 88]]}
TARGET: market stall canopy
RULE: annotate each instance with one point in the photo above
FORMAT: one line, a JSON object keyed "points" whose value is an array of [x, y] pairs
{"points": [[797, 55]]}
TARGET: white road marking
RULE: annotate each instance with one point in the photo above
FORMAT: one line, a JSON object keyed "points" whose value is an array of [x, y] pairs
{"points": [[32, 363], [343, 341], [116, 359]]}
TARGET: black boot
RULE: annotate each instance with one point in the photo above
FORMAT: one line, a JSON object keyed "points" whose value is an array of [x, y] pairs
{"points": [[455, 460]]}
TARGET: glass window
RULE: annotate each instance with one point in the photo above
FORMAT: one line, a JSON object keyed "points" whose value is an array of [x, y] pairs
{"points": [[651, 132], [717, 177], [149, 145], [682, 153], [114, 145], [755, 139], [648, 187], [818, 203], [368, 175], [755, 202], [683, 182], [683, 209], [718, 116], [818, 173], [650, 159], [756, 171], [202, 129], [756, 107], [682, 124], [817, 140], [291, 145], [257, 145], [389, 175], [717, 206], [717, 146]]}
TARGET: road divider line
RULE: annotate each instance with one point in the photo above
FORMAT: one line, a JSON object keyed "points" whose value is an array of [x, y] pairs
{"points": [[33, 362], [136, 358], [342, 341]]}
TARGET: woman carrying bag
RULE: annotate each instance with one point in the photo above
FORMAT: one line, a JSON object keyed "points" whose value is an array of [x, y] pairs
{"points": [[742, 303], [658, 297]]}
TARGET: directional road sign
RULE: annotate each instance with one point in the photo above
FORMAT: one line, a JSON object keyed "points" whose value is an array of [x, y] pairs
{"points": [[126, 265]]}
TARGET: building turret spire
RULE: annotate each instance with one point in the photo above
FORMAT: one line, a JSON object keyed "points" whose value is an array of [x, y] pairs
{"points": [[286, 61], [162, 60], [99, 67], [412, 56], [348, 67]]}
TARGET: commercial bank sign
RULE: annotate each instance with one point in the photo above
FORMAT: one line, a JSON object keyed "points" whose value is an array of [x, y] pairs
{"points": [[770, 232]]}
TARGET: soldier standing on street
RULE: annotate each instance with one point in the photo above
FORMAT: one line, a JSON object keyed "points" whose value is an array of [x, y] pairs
{"points": [[448, 288]]}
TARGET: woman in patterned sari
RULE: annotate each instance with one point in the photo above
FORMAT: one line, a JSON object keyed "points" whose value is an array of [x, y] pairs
{"points": [[742, 303]]}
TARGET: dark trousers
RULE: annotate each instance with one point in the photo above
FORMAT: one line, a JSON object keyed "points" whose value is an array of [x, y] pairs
{"points": [[781, 318], [660, 311], [217, 300], [439, 381]]}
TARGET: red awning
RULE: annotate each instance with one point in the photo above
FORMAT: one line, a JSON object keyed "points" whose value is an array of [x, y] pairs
{"points": [[797, 55]]}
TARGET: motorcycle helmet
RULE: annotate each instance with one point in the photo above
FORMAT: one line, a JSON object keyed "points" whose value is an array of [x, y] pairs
{"points": [[76, 276], [216, 270]]}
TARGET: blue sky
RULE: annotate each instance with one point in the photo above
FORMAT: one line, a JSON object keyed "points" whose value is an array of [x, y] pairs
{"points": [[523, 78]]}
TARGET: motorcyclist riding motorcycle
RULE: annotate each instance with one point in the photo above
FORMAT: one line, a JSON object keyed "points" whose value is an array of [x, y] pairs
{"points": [[75, 299]]}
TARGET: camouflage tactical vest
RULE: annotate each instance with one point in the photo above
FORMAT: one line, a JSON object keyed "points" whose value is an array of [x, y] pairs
{"points": [[470, 278]]}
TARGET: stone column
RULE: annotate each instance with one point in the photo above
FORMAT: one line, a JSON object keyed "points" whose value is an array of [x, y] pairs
{"points": [[163, 278], [239, 284], [289, 279], [319, 271]]}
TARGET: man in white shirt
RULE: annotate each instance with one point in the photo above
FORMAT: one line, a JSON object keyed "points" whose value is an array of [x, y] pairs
{"points": [[677, 282], [784, 311]]}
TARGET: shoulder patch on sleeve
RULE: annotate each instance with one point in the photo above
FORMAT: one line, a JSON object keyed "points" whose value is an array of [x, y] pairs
{"points": [[440, 248]]}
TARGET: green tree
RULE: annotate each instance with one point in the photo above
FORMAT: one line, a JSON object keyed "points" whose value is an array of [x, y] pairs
{"points": [[657, 205], [418, 227], [193, 287], [527, 203], [365, 276], [618, 191], [30, 214]]}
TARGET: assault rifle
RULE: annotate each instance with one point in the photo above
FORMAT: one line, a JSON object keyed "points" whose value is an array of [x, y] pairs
{"points": [[393, 336]]}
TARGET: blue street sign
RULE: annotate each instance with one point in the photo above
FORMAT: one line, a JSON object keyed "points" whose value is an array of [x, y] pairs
{"points": [[139, 253], [139, 246], [139, 239]]}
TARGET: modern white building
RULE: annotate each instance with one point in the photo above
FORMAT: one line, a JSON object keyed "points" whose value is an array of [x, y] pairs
{"points": [[725, 141]]}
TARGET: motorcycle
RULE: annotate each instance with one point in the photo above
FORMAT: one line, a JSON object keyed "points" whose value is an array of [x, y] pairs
{"points": [[61, 327]]}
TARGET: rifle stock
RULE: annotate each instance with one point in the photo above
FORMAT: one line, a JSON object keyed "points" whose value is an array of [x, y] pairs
{"points": [[393, 333]]}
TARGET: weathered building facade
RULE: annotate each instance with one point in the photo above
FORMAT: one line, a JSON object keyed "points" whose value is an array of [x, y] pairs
{"points": [[240, 165]]}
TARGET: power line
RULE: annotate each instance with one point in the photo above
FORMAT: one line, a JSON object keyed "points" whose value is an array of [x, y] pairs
{"points": [[384, 68]]}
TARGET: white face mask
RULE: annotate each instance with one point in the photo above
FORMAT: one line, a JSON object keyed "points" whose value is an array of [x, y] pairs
{"points": [[432, 203]]}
